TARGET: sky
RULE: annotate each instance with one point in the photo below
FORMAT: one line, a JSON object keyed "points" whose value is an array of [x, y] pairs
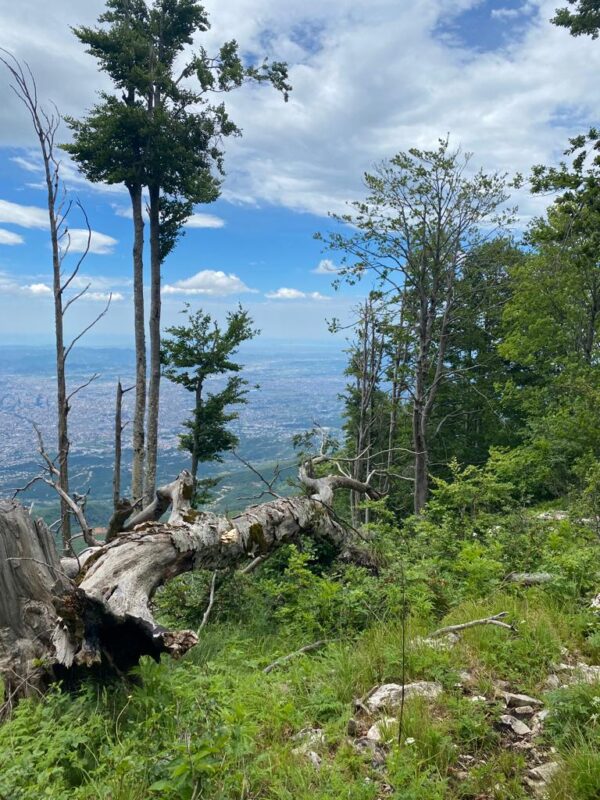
{"points": [[370, 78]]}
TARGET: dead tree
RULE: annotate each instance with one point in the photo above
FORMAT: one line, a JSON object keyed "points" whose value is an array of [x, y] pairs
{"points": [[59, 618], [46, 126], [119, 428], [50, 475]]}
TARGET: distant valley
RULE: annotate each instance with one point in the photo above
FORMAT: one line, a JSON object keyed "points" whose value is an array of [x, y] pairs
{"points": [[299, 384]]}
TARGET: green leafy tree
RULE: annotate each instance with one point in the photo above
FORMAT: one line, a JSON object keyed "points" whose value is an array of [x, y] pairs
{"points": [[472, 413], [584, 20], [552, 321], [412, 234], [161, 131], [194, 353]]}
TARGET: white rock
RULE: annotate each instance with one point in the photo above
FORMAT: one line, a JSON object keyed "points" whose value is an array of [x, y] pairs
{"points": [[596, 603], [314, 758], [477, 698], [552, 681], [309, 738], [390, 694], [553, 515], [382, 730], [515, 725], [516, 700], [581, 673], [544, 771], [537, 722]]}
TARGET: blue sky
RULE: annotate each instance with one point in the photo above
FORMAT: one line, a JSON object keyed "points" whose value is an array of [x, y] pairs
{"points": [[370, 78]]}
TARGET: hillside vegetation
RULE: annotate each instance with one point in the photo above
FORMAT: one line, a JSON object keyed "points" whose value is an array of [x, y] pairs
{"points": [[215, 725]]}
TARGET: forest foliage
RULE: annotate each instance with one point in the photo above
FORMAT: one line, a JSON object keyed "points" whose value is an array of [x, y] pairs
{"points": [[471, 407]]}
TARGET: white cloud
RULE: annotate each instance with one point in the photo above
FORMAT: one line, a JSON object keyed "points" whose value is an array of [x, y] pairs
{"points": [[286, 293], [195, 221], [99, 283], [100, 243], [213, 283], [507, 13], [23, 216], [38, 288], [30, 163], [8, 284], [204, 221], [10, 238], [102, 297], [123, 211], [349, 107], [35, 217], [325, 267]]}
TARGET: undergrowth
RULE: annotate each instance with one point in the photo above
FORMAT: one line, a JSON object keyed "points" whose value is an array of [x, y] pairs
{"points": [[214, 725]]}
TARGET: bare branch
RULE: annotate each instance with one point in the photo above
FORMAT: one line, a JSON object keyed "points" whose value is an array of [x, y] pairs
{"points": [[268, 484], [495, 620], [94, 377], [211, 600], [89, 327], [308, 648]]}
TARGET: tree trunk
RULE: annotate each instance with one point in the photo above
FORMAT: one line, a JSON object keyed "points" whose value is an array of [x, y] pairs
{"points": [[154, 328], [32, 582], [196, 432], [118, 445], [59, 619], [139, 414], [421, 489], [52, 186]]}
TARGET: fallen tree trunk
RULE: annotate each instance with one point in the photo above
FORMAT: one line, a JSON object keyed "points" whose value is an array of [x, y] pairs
{"points": [[59, 618]]}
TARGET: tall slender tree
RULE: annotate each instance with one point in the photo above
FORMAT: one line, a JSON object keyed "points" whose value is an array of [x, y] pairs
{"points": [[46, 127], [177, 130], [412, 234]]}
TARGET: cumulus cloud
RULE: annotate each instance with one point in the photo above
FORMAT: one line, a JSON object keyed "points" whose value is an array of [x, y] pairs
{"points": [[103, 297], [213, 283], [10, 238], [35, 217], [325, 267], [370, 78], [38, 288], [195, 221], [204, 221], [100, 243], [8, 285], [286, 293], [23, 216]]}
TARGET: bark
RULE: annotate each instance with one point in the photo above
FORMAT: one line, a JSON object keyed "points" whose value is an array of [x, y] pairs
{"points": [[139, 414], [32, 580], [53, 626], [154, 329], [118, 445], [421, 489], [196, 431]]}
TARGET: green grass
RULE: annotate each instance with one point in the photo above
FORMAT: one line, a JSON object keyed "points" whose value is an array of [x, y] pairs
{"points": [[215, 726]]}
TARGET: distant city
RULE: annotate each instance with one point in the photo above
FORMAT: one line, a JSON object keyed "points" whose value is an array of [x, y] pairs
{"points": [[300, 385]]}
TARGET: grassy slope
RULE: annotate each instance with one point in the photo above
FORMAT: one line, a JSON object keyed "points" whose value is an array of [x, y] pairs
{"points": [[215, 726]]}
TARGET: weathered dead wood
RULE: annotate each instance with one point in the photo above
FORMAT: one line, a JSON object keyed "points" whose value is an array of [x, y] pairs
{"points": [[31, 585], [495, 620], [308, 648], [94, 611], [529, 578]]}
